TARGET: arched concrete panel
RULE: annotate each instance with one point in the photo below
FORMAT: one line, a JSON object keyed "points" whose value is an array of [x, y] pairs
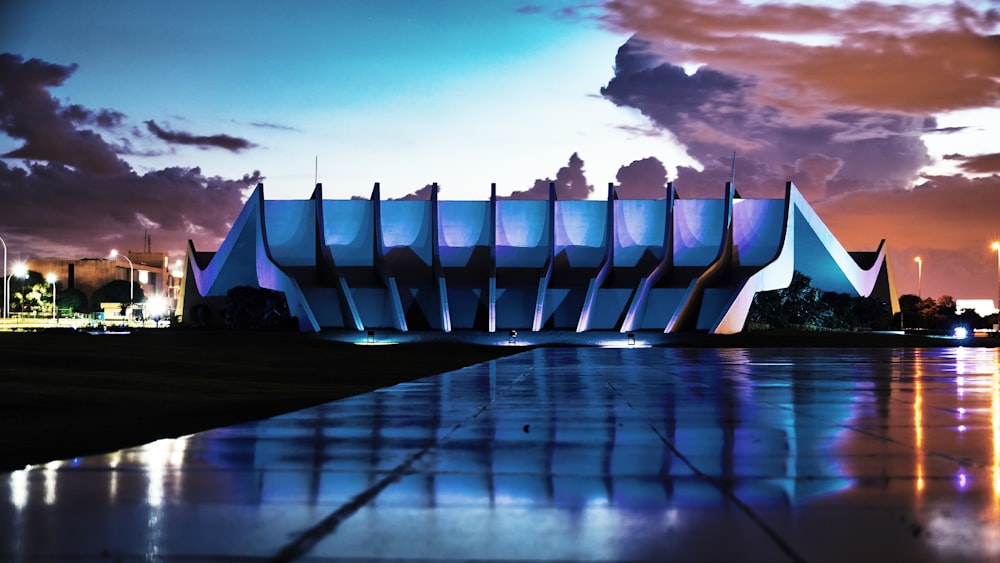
{"points": [[291, 231], [698, 231], [522, 233], [407, 224], [757, 230], [463, 227], [639, 227], [349, 231]]}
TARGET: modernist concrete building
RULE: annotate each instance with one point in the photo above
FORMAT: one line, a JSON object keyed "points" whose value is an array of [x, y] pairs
{"points": [[622, 265]]}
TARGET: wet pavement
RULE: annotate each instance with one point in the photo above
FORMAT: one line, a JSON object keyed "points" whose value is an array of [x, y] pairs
{"points": [[560, 454]]}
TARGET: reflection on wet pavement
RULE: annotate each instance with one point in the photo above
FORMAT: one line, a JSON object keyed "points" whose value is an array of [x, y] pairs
{"points": [[564, 454]]}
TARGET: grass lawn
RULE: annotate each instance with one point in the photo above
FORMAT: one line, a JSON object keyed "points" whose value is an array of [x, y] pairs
{"points": [[67, 394]]}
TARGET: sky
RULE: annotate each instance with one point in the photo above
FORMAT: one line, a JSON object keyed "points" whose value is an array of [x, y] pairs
{"points": [[119, 118]]}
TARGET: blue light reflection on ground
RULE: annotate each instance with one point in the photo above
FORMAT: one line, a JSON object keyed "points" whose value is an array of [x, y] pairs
{"points": [[591, 446], [531, 447]]}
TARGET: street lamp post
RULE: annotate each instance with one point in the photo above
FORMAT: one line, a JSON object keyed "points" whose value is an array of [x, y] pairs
{"points": [[6, 294], [51, 278], [131, 272], [996, 247], [131, 275], [920, 274]]}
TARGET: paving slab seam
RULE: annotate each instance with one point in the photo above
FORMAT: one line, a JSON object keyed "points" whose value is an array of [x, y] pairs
{"points": [[302, 545], [961, 462], [764, 527]]}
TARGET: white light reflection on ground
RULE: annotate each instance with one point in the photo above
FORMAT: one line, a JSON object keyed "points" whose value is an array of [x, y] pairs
{"points": [[50, 476], [162, 460], [19, 488]]}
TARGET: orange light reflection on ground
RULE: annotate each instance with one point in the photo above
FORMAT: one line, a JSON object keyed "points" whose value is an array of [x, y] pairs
{"points": [[995, 423], [918, 421]]}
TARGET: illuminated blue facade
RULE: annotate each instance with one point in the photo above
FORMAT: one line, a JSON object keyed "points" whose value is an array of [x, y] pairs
{"points": [[623, 265]]}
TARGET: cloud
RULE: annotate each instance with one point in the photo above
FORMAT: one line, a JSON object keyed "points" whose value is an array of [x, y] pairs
{"points": [[423, 193], [571, 183], [715, 114], [980, 164], [835, 99], [50, 132], [806, 58], [948, 130], [75, 197], [57, 211], [642, 179], [530, 9], [278, 126], [105, 118], [234, 144]]}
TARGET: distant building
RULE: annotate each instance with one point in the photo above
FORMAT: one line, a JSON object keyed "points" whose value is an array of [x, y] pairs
{"points": [[982, 307], [668, 265], [88, 274]]}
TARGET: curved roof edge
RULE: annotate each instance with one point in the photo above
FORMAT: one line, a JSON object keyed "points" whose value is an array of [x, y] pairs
{"points": [[216, 275], [828, 270]]}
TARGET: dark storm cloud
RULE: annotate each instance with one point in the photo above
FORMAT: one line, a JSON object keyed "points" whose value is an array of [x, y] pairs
{"points": [[74, 197], [423, 193], [714, 115], [980, 164], [49, 131], [234, 144], [947, 130], [571, 183], [642, 179], [55, 210], [105, 118], [879, 57]]}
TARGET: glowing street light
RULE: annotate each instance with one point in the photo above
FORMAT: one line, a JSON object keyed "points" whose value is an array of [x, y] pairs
{"points": [[131, 271], [52, 279], [920, 273]]}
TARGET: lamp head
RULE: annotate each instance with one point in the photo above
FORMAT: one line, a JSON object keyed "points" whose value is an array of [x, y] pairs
{"points": [[114, 253], [51, 278]]}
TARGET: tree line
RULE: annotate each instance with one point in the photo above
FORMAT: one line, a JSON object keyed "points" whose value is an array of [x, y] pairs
{"points": [[33, 296], [800, 305]]}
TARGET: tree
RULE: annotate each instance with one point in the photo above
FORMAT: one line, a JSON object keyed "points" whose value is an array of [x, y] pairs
{"points": [[798, 304], [969, 318], [72, 299], [257, 308], [801, 304], [116, 291], [928, 313], [871, 313], [32, 295]]}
